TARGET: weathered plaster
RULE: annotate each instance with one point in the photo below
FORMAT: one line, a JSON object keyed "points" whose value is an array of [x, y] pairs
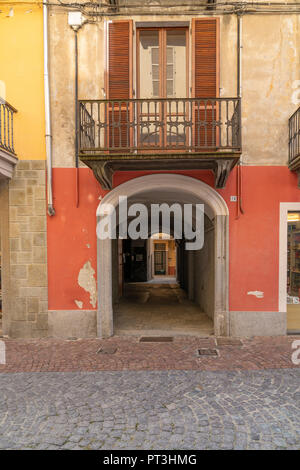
{"points": [[87, 281], [270, 68], [257, 293], [270, 73], [91, 79]]}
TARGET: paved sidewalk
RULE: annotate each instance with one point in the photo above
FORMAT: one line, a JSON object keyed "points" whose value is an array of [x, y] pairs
{"points": [[151, 410], [127, 353], [59, 394]]}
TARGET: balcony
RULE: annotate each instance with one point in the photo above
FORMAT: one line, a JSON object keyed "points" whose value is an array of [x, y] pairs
{"points": [[294, 141], [8, 157], [159, 134]]}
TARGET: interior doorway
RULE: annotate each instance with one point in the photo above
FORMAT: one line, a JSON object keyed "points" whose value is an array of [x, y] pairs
{"points": [[160, 262], [163, 254], [144, 260], [135, 260]]}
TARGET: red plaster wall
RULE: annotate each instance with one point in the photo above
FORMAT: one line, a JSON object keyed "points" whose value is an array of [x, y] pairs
{"points": [[253, 242], [71, 237]]}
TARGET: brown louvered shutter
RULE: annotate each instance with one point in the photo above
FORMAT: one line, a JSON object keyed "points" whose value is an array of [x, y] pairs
{"points": [[205, 80], [119, 82]]}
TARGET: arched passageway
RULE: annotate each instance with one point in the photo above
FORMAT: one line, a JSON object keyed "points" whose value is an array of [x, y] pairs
{"points": [[156, 296], [202, 275]]}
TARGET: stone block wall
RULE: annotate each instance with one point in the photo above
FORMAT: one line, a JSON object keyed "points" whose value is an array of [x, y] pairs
{"points": [[26, 310]]}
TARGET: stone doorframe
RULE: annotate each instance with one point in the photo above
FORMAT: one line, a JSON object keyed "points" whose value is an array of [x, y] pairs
{"points": [[215, 208], [285, 207]]}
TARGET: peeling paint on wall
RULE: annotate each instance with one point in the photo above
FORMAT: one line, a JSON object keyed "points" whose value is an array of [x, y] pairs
{"points": [[87, 281], [256, 293], [2, 90], [296, 93], [78, 303]]}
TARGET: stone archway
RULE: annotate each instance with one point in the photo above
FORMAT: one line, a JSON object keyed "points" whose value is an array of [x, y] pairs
{"points": [[217, 211]]}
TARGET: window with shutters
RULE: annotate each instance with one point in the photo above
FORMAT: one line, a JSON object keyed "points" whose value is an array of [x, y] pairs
{"points": [[162, 73]]}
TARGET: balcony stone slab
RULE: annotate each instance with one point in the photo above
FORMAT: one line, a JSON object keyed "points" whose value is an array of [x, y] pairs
{"points": [[104, 167], [8, 162]]}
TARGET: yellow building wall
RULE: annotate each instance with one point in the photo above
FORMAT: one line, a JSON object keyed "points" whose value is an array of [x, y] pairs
{"points": [[21, 74]]}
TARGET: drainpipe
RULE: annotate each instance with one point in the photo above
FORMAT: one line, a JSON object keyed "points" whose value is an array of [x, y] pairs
{"points": [[76, 118], [76, 21], [239, 55], [48, 136], [240, 209]]}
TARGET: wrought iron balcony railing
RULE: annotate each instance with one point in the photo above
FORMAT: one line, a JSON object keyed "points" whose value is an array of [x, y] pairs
{"points": [[7, 126], [200, 125], [294, 137]]}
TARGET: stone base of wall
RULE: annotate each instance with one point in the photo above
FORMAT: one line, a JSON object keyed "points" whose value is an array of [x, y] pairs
{"points": [[83, 324], [25, 313], [72, 323], [247, 324]]}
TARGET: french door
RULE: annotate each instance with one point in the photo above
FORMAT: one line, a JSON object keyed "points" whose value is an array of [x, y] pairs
{"points": [[162, 86]]}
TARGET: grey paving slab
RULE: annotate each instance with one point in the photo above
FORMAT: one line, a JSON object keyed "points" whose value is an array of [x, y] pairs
{"points": [[151, 410]]}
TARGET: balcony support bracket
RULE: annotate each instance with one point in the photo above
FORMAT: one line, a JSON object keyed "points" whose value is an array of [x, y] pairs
{"points": [[103, 173], [8, 162], [222, 170]]}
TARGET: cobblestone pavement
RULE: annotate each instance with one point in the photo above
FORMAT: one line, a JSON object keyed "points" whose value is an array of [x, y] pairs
{"points": [[151, 410], [127, 353]]}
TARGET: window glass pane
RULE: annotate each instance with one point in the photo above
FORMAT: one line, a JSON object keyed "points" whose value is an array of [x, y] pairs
{"points": [[170, 89], [155, 55], [176, 64], [170, 72], [155, 72], [170, 54], [155, 89], [149, 64]]}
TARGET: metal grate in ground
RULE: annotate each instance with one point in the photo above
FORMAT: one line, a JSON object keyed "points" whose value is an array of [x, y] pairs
{"points": [[156, 339], [207, 352]]}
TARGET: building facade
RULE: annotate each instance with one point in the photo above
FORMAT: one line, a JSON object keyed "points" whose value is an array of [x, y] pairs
{"points": [[160, 103], [23, 164]]}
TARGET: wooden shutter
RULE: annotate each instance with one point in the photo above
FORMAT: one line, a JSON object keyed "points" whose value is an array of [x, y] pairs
{"points": [[119, 82], [205, 35], [205, 57]]}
